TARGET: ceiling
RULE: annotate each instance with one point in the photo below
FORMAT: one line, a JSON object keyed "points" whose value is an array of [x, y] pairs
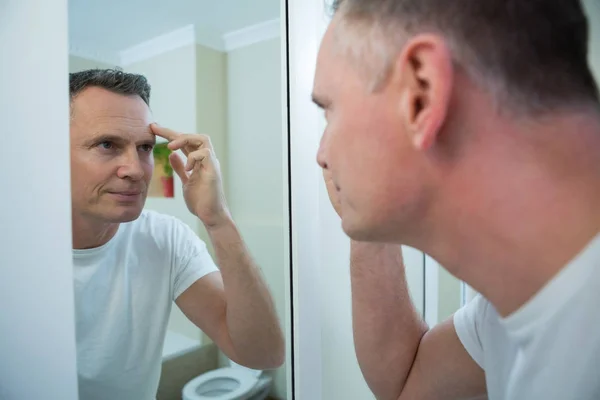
{"points": [[110, 26]]}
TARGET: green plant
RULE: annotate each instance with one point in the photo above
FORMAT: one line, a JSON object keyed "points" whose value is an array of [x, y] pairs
{"points": [[161, 155]]}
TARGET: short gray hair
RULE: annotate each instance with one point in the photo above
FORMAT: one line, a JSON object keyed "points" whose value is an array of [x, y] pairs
{"points": [[114, 80], [532, 53]]}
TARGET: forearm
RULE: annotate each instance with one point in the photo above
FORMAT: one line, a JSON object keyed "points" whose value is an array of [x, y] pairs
{"points": [[387, 328], [251, 318]]}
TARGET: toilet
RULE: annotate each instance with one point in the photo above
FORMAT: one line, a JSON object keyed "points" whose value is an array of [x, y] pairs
{"points": [[230, 383]]}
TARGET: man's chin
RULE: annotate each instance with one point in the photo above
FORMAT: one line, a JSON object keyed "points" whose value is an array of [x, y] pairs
{"points": [[123, 213], [354, 231], [364, 232], [127, 215]]}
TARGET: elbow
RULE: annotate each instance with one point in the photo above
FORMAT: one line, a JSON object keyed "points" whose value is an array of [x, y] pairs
{"points": [[263, 362], [265, 358], [275, 352], [275, 361], [387, 373], [274, 356]]}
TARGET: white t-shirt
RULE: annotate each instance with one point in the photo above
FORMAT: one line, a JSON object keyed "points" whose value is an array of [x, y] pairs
{"points": [[549, 349], [123, 296]]}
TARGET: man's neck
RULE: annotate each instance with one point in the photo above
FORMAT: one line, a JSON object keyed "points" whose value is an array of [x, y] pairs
{"points": [[89, 233], [513, 227]]}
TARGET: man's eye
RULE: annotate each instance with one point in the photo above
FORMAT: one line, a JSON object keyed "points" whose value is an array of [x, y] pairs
{"points": [[147, 147], [106, 145]]}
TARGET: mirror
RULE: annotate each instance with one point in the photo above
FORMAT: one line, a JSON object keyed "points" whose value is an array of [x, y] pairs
{"points": [[214, 69]]}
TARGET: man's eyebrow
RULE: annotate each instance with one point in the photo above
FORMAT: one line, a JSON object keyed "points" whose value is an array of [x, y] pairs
{"points": [[109, 137], [104, 137]]}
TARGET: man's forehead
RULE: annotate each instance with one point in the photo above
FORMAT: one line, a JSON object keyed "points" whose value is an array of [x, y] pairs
{"points": [[94, 114], [97, 101], [325, 60]]}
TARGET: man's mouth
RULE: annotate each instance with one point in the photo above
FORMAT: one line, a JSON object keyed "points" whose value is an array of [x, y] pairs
{"points": [[127, 192], [126, 195]]}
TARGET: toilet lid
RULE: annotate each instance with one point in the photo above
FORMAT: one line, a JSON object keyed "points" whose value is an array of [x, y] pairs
{"points": [[244, 379], [255, 372]]}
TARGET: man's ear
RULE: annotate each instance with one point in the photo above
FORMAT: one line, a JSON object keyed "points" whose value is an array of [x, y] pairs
{"points": [[424, 75]]}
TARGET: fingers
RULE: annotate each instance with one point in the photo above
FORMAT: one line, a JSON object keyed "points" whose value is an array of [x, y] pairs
{"points": [[166, 133], [189, 143], [178, 167], [199, 158]]}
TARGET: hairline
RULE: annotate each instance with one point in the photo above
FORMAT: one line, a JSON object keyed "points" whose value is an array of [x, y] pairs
{"points": [[73, 97], [505, 102]]}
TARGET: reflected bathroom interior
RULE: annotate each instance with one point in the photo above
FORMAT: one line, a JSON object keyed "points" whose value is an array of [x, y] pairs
{"points": [[214, 69]]}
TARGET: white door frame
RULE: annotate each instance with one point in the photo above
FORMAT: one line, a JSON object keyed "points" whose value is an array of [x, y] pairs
{"points": [[305, 29], [37, 321]]}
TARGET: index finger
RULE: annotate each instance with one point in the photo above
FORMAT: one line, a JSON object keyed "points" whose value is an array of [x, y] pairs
{"points": [[163, 132]]}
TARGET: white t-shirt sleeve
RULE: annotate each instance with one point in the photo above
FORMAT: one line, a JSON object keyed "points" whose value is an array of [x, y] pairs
{"points": [[468, 322], [191, 259]]}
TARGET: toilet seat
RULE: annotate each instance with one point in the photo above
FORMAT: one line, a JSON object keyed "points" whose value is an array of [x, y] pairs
{"points": [[246, 380]]}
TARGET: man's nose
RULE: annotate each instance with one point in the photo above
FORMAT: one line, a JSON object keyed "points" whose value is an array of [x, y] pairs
{"points": [[131, 167]]}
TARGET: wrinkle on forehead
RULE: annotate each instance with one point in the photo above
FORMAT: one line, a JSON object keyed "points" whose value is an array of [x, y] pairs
{"points": [[129, 129], [99, 101], [98, 111]]}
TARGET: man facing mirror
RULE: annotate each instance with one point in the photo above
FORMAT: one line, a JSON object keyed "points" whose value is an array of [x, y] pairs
{"points": [[130, 264], [469, 130]]}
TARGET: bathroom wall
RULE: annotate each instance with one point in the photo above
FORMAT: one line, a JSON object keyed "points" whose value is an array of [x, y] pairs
{"points": [[211, 103], [449, 294], [593, 11], [254, 106], [77, 64], [254, 151]]}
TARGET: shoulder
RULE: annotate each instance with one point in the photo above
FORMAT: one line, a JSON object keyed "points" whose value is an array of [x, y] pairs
{"points": [[475, 313], [472, 323]]}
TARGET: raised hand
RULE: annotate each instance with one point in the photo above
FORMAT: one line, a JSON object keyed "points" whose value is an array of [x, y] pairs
{"points": [[200, 175]]}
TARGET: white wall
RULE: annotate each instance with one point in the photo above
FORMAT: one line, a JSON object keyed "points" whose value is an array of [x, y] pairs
{"points": [[254, 135], [593, 12], [211, 102], [77, 64], [449, 295], [255, 174], [37, 329]]}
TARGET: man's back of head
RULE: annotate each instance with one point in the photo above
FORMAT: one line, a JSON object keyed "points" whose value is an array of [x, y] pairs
{"points": [[532, 54]]}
